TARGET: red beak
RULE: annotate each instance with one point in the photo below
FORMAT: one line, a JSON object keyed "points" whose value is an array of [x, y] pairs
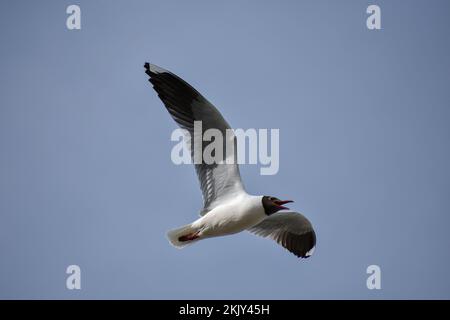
{"points": [[281, 203]]}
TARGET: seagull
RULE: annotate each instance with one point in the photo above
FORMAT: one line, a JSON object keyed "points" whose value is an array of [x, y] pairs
{"points": [[227, 207]]}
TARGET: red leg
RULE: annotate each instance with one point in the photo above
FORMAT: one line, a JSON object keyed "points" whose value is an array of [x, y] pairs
{"points": [[189, 237]]}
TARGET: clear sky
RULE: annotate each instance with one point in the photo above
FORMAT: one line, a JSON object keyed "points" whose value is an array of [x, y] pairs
{"points": [[85, 170]]}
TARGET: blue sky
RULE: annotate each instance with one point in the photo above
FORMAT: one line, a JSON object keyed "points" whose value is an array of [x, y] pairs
{"points": [[86, 176]]}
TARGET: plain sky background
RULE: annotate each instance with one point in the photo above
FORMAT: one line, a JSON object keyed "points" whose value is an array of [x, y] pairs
{"points": [[85, 170]]}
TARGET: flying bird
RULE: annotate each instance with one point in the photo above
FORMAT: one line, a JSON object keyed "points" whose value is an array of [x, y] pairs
{"points": [[227, 207]]}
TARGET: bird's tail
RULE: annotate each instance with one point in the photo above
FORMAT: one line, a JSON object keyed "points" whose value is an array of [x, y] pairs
{"points": [[183, 236]]}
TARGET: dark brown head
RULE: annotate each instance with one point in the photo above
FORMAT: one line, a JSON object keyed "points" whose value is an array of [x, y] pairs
{"points": [[272, 204]]}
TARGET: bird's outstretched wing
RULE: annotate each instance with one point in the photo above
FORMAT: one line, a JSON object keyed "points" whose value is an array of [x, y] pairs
{"points": [[186, 105], [289, 229]]}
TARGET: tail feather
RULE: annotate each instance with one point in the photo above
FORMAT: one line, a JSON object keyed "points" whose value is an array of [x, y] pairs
{"points": [[175, 235]]}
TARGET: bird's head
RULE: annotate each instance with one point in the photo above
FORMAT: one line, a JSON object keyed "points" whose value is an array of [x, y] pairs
{"points": [[272, 204]]}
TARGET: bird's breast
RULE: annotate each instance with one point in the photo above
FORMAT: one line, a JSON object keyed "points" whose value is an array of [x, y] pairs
{"points": [[233, 217]]}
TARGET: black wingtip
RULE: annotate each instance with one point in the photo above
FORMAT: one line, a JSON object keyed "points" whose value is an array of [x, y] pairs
{"points": [[311, 241], [147, 69]]}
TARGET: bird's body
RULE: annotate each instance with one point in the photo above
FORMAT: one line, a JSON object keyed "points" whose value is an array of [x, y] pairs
{"points": [[227, 208], [233, 216]]}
